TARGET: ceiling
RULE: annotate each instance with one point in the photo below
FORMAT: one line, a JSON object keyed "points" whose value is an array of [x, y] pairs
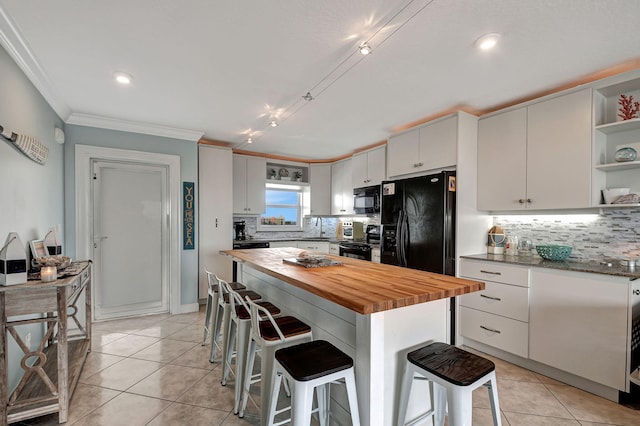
{"points": [[224, 69]]}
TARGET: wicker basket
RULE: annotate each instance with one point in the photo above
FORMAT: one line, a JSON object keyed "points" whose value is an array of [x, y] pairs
{"points": [[553, 251]]}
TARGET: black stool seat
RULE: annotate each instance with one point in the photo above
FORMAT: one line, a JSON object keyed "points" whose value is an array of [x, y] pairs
{"points": [[234, 285], [243, 293], [451, 363], [289, 326], [311, 360]]}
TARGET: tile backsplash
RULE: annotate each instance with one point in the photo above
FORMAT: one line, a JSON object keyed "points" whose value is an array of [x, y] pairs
{"points": [[615, 233], [311, 227]]}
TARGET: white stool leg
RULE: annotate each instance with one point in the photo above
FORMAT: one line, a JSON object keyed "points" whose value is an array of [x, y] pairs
{"points": [[273, 404], [405, 391], [226, 322], [460, 406], [439, 402], [322, 398], [228, 347], [217, 322], [350, 382], [492, 387], [301, 404], [207, 320], [248, 371], [242, 345]]}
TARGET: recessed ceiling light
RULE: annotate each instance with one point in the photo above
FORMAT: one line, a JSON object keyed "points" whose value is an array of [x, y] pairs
{"points": [[123, 78], [487, 41], [365, 49]]}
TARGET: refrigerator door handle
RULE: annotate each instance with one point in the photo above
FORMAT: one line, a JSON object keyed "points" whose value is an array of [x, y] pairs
{"points": [[401, 235]]}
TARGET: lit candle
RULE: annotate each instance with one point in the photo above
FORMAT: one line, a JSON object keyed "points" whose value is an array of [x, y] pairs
{"points": [[48, 274]]}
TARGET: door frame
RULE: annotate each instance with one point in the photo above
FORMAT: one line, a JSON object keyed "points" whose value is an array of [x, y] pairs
{"points": [[84, 154]]}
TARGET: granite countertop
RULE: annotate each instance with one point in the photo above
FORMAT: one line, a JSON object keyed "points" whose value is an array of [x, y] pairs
{"points": [[595, 267]]}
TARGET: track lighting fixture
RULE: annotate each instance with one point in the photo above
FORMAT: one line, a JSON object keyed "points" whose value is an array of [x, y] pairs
{"points": [[308, 97], [273, 123], [365, 49], [249, 140]]}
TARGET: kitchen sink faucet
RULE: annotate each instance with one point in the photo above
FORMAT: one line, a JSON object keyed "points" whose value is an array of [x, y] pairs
{"points": [[321, 231]]}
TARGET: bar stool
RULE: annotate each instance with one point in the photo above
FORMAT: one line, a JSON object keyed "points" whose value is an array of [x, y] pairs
{"points": [[212, 301], [267, 335], [222, 318], [238, 339], [453, 375], [309, 366]]}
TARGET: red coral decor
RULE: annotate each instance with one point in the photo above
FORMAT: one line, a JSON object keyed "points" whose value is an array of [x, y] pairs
{"points": [[628, 109]]}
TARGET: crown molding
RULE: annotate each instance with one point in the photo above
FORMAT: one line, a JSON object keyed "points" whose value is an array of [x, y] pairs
{"points": [[18, 49], [133, 127]]}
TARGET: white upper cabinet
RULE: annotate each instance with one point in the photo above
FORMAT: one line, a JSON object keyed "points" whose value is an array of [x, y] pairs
{"points": [[502, 159], [214, 213], [320, 182], [248, 184], [368, 168], [429, 147], [559, 152], [341, 187], [537, 157]]}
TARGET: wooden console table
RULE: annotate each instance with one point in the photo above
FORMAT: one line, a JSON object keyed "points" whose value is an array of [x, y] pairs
{"points": [[51, 371]]}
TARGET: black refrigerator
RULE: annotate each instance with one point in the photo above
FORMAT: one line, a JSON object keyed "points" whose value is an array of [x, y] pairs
{"points": [[418, 223]]}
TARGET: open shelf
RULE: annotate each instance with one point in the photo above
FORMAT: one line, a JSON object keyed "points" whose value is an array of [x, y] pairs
{"points": [[33, 398], [619, 126], [627, 165]]}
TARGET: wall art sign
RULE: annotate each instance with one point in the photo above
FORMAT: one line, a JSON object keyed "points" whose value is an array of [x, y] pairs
{"points": [[188, 218]]}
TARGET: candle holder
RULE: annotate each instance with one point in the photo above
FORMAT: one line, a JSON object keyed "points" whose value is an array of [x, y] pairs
{"points": [[48, 274]]}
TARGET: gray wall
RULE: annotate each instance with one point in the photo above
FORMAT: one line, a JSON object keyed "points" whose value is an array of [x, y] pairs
{"points": [[188, 152], [31, 195]]}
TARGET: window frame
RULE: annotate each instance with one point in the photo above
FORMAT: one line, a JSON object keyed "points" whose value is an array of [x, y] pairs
{"points": [[297, 188]]}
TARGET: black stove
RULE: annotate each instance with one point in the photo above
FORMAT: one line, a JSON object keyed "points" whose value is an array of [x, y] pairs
{"points": [[356, 249], [248, 244]]}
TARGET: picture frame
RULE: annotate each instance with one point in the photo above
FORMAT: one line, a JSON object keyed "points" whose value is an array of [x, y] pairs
{"points": [[38, 249]]}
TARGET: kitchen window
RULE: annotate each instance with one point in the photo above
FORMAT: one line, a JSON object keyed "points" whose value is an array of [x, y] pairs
{"points": [[284, 205]]}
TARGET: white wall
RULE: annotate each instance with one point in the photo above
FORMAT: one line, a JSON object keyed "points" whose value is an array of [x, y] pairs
{"points": [[31, 195]]}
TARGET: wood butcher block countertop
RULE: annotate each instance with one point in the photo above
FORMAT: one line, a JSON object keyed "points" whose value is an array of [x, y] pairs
{"points": [[362, 286]]}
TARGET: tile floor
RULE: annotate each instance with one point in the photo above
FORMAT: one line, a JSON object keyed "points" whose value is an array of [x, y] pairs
{"points": [[153, 371]]}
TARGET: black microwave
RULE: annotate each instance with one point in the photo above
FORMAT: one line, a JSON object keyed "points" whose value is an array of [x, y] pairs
{"points": [[366, 200]]}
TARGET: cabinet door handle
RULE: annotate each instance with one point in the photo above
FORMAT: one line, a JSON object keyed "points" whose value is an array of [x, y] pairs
{"points": [[529, 201], [490, 272], [417, 165], [491, 297], [490, 329], [521, 200]]}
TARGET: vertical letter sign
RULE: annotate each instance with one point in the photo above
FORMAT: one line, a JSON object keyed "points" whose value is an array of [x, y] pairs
{"points": [[188, 225]]}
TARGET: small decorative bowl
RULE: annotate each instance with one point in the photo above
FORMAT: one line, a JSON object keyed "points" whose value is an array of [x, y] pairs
{"points": [[626, 154], [554, 251]]}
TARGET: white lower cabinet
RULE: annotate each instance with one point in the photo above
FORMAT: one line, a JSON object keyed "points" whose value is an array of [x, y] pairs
{"points": [[579, 324], [334, 249], [493, 330], [498, 315], [277, 244], [316, 246], [375, 255], [576, 322]]}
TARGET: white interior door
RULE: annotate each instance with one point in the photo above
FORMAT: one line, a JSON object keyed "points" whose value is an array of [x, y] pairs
{"points": [[130, 239]]}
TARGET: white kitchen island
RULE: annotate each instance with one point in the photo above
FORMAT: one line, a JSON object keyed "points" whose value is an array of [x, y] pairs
{"points": [[375, 313]]}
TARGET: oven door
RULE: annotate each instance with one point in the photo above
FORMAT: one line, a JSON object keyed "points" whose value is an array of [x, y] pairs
{"points": [[359, 252]]}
